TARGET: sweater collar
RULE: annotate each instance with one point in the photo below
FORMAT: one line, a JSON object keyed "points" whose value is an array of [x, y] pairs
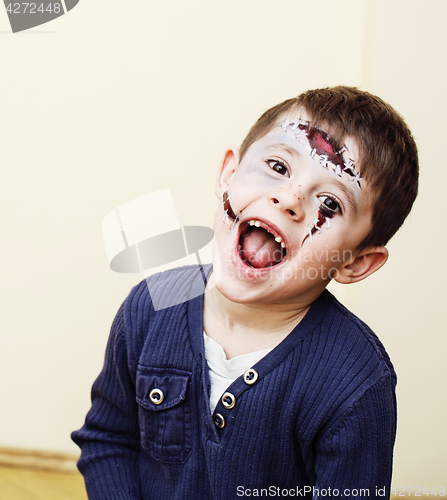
{"points": [[302, 331]]}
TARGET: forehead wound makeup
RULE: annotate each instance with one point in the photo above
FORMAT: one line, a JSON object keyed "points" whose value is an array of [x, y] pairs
{"points": [[323, 148]]}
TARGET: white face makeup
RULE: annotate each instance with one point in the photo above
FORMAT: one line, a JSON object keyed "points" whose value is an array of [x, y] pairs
{"points": [[278, 204], [323, 150]]}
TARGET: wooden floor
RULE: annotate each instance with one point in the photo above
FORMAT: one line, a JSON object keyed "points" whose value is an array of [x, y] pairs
{"points": [[28, 484]]}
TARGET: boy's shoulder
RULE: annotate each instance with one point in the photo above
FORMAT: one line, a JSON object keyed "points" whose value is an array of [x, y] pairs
{"points": [[343, 364], [169, 288], [162, 291], [156, 305], [357, 341]]}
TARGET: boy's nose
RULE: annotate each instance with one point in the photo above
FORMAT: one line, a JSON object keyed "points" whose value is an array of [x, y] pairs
{"points": [[290, 203]]}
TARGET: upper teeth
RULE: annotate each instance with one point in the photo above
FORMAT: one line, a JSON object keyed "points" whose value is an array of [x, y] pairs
{"points": [[278, 239], [255, 223]]}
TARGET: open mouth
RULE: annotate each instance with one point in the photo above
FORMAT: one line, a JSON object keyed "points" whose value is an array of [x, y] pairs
{"points": [[259, 247]]}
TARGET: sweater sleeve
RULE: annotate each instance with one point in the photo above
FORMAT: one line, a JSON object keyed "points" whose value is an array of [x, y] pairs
{"points": [[109, 439], [354, 457]]}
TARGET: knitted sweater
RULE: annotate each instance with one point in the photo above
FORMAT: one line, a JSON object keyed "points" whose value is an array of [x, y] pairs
{"points": [[314, 417]]}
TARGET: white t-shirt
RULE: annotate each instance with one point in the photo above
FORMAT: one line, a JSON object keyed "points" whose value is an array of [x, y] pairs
{"points": [[223, 372]]}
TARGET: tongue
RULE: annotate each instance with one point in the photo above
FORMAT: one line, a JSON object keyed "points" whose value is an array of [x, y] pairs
{"points": [[259, 248]]}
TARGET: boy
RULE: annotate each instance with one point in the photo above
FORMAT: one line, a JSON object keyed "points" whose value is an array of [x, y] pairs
{"points": [[265, 385]]}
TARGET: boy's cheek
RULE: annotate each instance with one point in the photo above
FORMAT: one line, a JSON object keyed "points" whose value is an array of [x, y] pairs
{"points": [[241, 194], [256, 174]]}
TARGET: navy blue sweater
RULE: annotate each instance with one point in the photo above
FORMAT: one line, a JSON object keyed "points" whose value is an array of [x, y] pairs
{"points": [[315, 416]]}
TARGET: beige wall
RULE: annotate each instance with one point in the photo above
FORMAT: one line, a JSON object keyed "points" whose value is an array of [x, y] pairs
{"points": [[111, 102]]}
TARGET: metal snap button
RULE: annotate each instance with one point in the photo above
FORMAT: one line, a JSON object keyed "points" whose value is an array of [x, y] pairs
{"points": [[250, 376], [228, 400], [219, 421], [156, 396]]}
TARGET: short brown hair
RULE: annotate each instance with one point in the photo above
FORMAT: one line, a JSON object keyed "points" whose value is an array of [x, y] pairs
{"points": [[388, 153]]}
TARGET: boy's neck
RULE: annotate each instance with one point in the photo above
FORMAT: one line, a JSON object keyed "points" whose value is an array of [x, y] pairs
{"points": [[242, 328]]}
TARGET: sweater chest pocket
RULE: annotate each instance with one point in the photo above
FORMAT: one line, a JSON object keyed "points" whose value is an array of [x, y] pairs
{"points": [[164, 413]]}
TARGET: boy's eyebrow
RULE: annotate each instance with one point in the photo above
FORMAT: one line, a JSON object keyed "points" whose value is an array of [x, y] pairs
{"points": [[351, 200], [285, 147], [293, 152]]}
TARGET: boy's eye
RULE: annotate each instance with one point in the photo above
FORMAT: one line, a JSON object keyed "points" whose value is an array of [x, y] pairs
{"points": [[330, 205], [278, 166]]}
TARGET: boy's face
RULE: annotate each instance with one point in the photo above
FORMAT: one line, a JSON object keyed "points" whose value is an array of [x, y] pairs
{"points": [[299, 218]]}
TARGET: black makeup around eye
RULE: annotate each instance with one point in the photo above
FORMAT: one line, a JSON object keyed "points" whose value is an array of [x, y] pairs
{"points": [[329, 212]]}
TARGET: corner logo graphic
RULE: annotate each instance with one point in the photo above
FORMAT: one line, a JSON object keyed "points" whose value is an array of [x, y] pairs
{"points": [[25, 15], [144, 235]]}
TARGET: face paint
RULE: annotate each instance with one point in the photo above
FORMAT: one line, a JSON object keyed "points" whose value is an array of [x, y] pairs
{"points": [[324, 217], [228, 210], [321, 144]]}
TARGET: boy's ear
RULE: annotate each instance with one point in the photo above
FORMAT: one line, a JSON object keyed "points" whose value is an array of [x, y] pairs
{"points": [[367, 262], [227, 169]]}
